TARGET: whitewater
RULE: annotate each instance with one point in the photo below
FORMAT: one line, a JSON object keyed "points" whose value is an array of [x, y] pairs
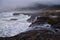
{"points": [[11, 25]]}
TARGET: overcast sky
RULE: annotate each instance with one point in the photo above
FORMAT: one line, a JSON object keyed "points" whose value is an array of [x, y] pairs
{"points": [[23, 3]]}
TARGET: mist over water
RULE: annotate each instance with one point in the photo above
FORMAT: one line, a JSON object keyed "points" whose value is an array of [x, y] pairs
{"points": [[11, 4]]}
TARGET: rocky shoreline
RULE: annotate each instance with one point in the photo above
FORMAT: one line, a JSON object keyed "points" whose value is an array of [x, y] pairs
{"points": [[37, 34]]}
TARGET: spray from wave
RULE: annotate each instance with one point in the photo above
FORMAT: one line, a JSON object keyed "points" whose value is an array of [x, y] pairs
{"points": [[12, 25]]}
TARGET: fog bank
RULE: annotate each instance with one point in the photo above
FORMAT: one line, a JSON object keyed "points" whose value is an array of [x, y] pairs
{"points": [[10, 4]]}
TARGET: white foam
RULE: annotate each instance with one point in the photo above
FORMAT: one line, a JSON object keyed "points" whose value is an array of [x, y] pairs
{"points": [[10, 28]]}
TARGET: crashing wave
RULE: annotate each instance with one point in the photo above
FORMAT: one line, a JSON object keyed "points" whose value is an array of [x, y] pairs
{"points": [[11, 27]]}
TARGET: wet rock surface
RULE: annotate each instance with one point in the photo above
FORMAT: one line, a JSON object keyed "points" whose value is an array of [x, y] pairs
{"points": [[37, 33]]}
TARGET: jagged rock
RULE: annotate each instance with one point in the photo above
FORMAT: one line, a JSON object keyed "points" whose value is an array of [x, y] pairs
{"points": [[34, 35], [32, 19]]}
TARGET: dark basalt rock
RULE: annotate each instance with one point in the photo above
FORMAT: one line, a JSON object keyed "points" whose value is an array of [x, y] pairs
{"points": [[57, 25], [41, 20], [32, 19], [35, 35], [55, 22]]}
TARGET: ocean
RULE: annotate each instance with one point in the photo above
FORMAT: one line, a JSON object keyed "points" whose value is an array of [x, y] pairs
{"points": [[11, 25]]}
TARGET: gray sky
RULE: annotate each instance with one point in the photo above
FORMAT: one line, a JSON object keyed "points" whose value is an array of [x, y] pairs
{"points": [[23, 3]]}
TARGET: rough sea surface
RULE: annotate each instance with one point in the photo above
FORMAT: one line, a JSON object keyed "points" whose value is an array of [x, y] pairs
{"points": [[11, 25]]}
